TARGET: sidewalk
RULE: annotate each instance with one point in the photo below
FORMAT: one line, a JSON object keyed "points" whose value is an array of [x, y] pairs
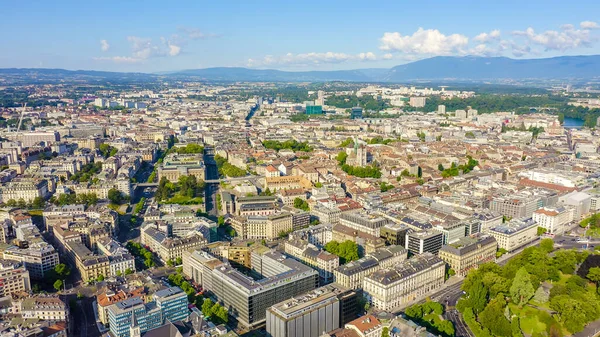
{"points": [[99, 324]]}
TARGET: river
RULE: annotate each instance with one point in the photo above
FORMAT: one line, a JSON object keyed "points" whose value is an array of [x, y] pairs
{"points": [[573, 123]]}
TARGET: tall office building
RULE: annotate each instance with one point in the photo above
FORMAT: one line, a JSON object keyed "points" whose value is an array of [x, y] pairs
{"points": [[356, 113], [424, 241], [312, 313], [441, 109], [274, 278], [314, 109], [133, 314]]}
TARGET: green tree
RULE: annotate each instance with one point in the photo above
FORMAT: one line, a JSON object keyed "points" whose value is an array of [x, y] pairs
{"points": [[547, 245], [521, 289], [492, 318], [385, 332], [207, 307], [594, 275], [302, 204], [62, 271], [115, 196], [440, 167], [100, 278], [516, 327], [128, 271], [58, 285]]}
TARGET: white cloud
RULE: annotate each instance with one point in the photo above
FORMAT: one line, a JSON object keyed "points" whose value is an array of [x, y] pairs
{"points": [[567, 38], [388, 56], [369, 56], [174, 50], [487, 37], [104, 46], [305, 59], [195, 33], [118, 59], [426, 42], [589, 25]]}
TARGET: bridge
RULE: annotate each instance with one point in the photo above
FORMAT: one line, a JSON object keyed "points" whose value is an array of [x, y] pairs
{"points": [[145, 185], [250, 177]]}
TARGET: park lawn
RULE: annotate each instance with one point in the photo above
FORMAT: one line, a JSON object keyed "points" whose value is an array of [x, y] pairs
{"points": [[183, 200], [532, 320], [593, 232]]}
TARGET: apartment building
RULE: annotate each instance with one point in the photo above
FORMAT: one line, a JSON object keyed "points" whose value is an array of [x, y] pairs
{"points": [[325, 214], [310, 255], [555, 220], [391, 288], [352, 274], [365, 222], [515, 233], [44, 307], [468, 253], [367, 243], [39, 258], [515, 206], [263, 227], [27, 190], [256, 205], [14, 278], [169, 248], [317, 235], [310, 314]]}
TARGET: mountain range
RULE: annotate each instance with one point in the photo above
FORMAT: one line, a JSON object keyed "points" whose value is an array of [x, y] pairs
{"points": [[447, 68]]}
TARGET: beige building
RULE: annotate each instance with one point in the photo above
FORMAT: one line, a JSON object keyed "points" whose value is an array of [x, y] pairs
{"points": [[468, 253], [169, 248], [352, 274], [26, 190], [47, 308], [514, 234], [286, 182], [392, 288], [367, 242], [263, 227], [324, 262], [39, 258], [14, 277], [555, 220], [178, 165]]}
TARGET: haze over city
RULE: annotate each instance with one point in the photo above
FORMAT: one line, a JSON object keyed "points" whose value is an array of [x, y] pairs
{"points": [[153, 36]]}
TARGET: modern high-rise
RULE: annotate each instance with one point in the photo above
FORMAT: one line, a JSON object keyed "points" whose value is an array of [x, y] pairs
{"points": [[424, 241], [275, 278], [168, 305], [312, 313], [356, 113]]}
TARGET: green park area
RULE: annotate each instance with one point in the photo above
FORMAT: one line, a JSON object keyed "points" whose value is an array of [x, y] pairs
{"points": [[539, 292]]}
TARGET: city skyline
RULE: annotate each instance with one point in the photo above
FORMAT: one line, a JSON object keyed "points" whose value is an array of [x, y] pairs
{"points": [[297, 37]]}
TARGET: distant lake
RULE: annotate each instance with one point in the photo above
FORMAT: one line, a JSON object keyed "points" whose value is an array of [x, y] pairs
{"points": [[573, 123]]}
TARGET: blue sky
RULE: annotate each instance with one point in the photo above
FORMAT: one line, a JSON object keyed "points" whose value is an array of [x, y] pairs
{"points": [[154, 36]]}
